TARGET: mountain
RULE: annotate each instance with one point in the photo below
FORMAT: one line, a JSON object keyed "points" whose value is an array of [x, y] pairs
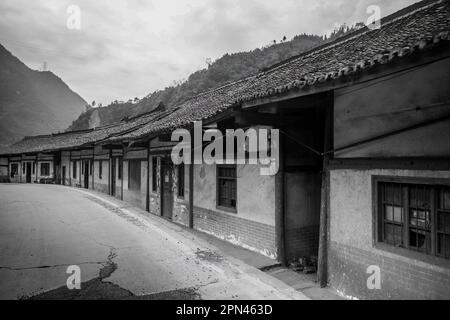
{"points": [[229, 67], [33, 102]]}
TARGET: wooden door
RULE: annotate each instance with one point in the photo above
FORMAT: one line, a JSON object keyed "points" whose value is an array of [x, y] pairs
{"points": [[166, 188]]}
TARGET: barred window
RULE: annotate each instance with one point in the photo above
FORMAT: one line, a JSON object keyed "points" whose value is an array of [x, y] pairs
{"points": [[180, 185], [415, 216], [45, 169], [14, 169], [226, 187], [134, 174]]}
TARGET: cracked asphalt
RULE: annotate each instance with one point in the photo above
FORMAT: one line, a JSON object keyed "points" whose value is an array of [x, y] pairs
{"points": [[122, 252]]}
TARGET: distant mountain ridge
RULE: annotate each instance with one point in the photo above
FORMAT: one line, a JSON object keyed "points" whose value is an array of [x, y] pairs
{"points": [[229, 67], [33, 102]]}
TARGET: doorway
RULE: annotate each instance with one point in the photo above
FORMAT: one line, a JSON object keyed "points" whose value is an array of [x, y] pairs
{"points": [[113, 176], [166, 188], [63, 176], [28, 174], [86, 173]]}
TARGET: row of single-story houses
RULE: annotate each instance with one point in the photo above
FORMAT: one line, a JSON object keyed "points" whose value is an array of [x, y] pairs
{"points": [[364, 159]]}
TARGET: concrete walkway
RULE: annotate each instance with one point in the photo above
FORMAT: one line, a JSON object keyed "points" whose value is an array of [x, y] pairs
{"points": [[123, 252]]}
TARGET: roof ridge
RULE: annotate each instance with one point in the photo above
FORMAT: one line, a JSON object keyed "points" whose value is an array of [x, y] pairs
{"points": [[393, 17]]}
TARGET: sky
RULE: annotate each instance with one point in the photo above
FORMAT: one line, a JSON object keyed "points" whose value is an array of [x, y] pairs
{"points": [[130, 48]]}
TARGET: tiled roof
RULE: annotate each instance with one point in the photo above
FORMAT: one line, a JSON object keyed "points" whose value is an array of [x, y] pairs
{"points": [[402, 33], [412, 29], [74, 139]]}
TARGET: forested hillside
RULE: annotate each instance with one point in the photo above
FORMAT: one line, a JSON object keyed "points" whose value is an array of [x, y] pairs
{"points": [[229, 67]]}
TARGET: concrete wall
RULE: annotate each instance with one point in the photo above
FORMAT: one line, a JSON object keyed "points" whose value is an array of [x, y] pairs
{"points": [[253, 225], [101, 183], [352, 248]]}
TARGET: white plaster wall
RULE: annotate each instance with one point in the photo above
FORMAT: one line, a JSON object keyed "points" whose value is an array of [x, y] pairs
{"points": [[255, 193]]}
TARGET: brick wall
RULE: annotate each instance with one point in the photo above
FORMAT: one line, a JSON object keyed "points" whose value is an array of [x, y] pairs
{"points": [[302, 242], [252, 235], [400, 278]]}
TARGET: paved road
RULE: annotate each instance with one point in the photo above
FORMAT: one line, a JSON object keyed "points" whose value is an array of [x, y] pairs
{"points": [[121, 252]]}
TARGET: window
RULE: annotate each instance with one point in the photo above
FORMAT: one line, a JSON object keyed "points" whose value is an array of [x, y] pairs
{"points": [[91, 167], [134, 174], [119, 174], [226, 187], [74, 169], [415, 216], [45, 169], [100, 169], [23, 168], [82, 166], [34, 167], [180, 185], [14, 169], [154, 174]]}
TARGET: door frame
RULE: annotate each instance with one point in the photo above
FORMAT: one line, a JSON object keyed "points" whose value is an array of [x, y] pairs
{"points": [[165, 163]]}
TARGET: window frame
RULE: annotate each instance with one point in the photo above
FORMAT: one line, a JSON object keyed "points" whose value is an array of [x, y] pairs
{"points": [[218, 178], [15, 172], [435, 184], [40, 169]]}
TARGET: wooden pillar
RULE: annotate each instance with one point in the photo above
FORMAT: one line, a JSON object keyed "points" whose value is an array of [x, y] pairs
{"points": [[191, 183], [147, 193], [322, 267], [280, 238], [110, 173]]}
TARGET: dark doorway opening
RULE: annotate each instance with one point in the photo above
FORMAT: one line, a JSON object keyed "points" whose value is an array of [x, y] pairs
{"points": [[113, 176], [166, 188], [28, 176], [63, 182], [86, 174]]}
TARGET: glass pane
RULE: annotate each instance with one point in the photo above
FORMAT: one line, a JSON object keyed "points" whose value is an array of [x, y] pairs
{"points": [[420, 239], [443, 222], [393, 194], [420, 219], [443, 245], [420, 197], [444, 199], [393, 213]]}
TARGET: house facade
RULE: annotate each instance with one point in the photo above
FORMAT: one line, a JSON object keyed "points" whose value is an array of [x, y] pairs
{"points": [[363, 179]]}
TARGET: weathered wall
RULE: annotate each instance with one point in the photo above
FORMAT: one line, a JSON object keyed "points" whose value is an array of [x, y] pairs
{"points": [[135, 197], [370, 109], [181, 204], [352, 248], [101, 183], [253, 225]]}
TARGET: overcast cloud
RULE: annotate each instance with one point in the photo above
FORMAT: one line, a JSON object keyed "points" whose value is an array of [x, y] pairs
{"points": [[130, 48]]}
